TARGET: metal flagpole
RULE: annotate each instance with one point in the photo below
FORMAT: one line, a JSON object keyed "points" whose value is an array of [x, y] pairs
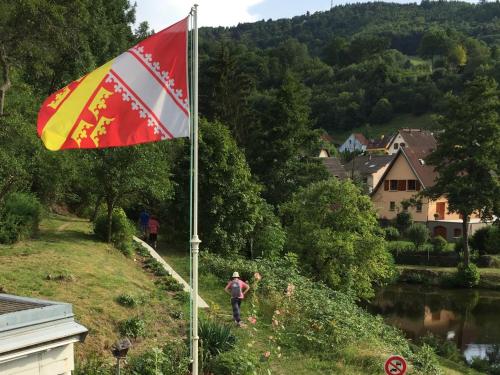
{"points": [[195, 241]]}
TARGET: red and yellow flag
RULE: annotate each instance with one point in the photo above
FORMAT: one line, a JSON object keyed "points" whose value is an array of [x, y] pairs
{"points": [[140, 96]]}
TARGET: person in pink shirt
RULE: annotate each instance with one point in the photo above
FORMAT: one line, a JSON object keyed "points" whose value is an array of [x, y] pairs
{"points": [[153, 227], [237, 289]]}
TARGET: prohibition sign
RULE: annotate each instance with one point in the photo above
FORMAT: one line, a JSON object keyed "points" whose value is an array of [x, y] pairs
{"points": [[395, 365]]}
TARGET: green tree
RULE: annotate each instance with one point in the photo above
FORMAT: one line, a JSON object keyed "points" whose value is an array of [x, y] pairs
{"points": [[418, 234], [434, 43], [468, 160], [382, 111], [230, 205], [333, 228]]}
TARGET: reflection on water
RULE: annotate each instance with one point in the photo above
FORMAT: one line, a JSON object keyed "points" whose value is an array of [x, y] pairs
{"points": [[469, 318]]}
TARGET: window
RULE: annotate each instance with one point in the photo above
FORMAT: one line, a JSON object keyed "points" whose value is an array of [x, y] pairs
{"points": [[402, 144], [457, 232], [393, 185], [401, 185], [392, 206], [396, 146], [419, 207], [412, 185], [419, 186]]}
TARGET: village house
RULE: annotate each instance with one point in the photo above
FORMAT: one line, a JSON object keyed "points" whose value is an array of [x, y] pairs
{"points": [[406, 175], [334, 167], [380, 145], [355, 142], [368, 169], [410, 138]]}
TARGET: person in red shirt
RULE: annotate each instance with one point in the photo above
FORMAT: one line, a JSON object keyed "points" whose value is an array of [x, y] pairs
{"points": [[153, 227], [237, 289]]}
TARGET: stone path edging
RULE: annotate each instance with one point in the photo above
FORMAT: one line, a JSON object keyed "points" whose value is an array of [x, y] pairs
{"points": [[201, 303]]}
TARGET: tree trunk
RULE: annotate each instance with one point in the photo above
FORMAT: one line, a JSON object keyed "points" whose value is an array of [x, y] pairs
{"points": [[110, 204], [465, 232], [96, 208], [6, 78]]}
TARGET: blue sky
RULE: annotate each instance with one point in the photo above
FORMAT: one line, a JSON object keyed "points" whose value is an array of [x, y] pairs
{"points": [[161, 13]]}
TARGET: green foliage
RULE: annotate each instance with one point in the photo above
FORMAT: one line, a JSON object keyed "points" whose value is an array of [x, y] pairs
{"points": [[439, 244], [94, 364], [155, 267], [169, 283], [399, 247], [442, 347], [333, 228], [418, 234], [173, 359], [486, 240], [134, 327], [269, 236], [234, 362], [382, 111], [229, 198], [128, 300], [215, 338], [122, 230], [391, 233], [467, 276], [404, 221], [426, 362], [19, 217], [467, 161]]}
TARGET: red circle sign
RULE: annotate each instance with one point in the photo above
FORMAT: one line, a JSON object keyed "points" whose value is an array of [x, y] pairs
{"points": [[395, 365]]}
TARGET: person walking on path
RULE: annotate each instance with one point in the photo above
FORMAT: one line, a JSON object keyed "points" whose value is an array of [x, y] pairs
{"points": [[237, 289], [143, 222], [153, 227]]}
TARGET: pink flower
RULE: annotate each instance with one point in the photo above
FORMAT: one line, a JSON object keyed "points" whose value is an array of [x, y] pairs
{"points": [[257, 276], [267, 354], [252, 320]]}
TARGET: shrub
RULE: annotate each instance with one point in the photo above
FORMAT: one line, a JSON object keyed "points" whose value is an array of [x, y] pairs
{"points": [[391, 233], [486, 240], [234, 362], [155, 267], [128, 301], [134, 327], [122, 229], [215, 338], [170, 284], [418, 234], [19, 218], [173, 359], [467, 277], [399, 247], [93, 364], [439, 244], [403, 221], [425, 361]]}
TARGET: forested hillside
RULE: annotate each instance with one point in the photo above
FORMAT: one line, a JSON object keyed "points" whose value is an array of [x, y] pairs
{"points": [[358, 64]]}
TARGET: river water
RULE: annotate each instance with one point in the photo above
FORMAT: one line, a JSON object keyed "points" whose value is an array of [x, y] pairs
{"points": [[470, 318]]}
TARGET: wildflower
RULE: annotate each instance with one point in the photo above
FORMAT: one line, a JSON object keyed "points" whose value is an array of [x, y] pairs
{"points": [[290, 289], [277, 312], [275, 322], [252, 320], [257, 276], [267, 354]]}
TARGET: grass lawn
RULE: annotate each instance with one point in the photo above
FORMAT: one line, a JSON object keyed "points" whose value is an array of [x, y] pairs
{"points": [[89, 275]]}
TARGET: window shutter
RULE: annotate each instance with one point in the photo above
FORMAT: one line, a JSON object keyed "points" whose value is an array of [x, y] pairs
{"points": [[418, 185], [386, 185], [401, 185]]}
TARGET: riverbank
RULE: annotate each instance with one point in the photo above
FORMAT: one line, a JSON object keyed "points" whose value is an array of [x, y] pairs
{"points": [[440, 276]]}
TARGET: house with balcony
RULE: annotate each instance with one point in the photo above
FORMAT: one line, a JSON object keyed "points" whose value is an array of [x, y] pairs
{"points": [[405, 177]]}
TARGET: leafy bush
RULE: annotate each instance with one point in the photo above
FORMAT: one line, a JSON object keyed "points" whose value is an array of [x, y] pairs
{"points": [[398, 247], [269, 238], [128, 300], [418, 234], [234, 362], [134, 327], [403, 221], [93, 364], [155, 267], [391, 233], [215, 338], [486, 240], [170, 284], [442, 347], [122, 230], [439, 244], [467, 277], [425, 361], [173, 359], [19, 218]]}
